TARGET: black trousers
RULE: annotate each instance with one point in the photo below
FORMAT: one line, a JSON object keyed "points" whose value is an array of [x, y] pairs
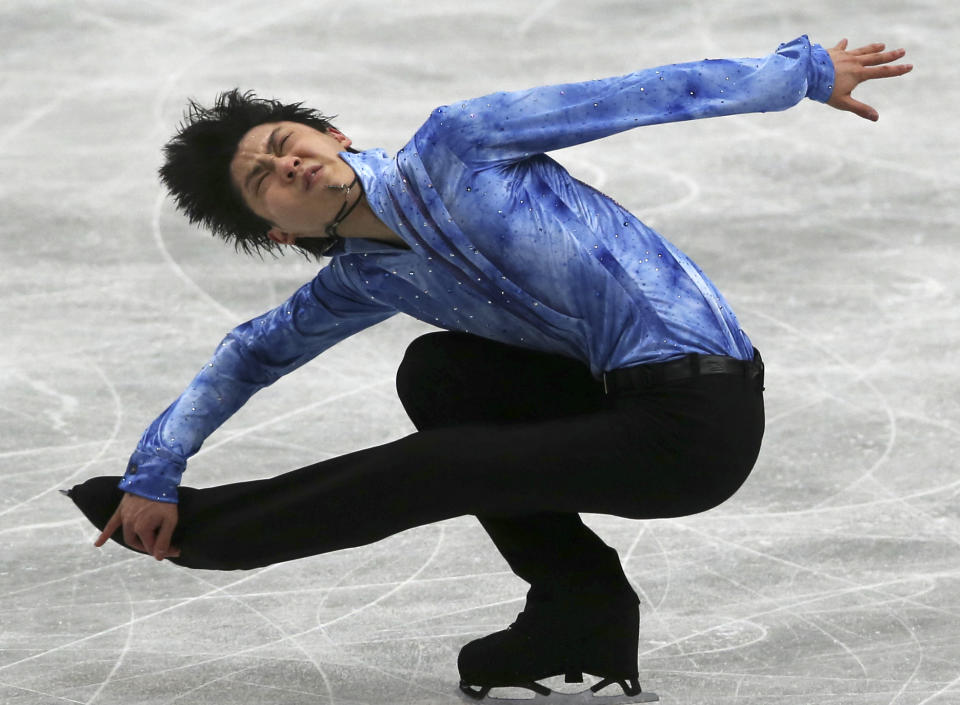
{"points": [[521, 439]]}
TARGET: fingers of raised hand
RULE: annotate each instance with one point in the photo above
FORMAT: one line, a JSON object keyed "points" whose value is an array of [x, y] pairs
{"points": [[880, 57], [886, 71], [878, 65], [867, 49], [858, 108]]}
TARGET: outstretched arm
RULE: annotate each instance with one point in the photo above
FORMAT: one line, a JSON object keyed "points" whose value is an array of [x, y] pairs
{"points": [[853, 67], [252, 356], [507, 127], [511, 126]]}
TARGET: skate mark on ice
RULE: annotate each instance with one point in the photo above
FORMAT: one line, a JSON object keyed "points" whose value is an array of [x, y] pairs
{"points": [[907, 683], [788, 606], [692, 194], [31, 691], [118, 418], [542, 8], [954, 684], [397, 587], [665, 555], [206, 684], [797, 615], [321, 627], [862, 376], [126, 644], [853, 585], [852, 370], [311, 696], [667, 565], [929, 492], [638, 586], [919, 652], [70, 578], [175, 267], [467, 610], [142, 618], [44, 468], [279, 628]]}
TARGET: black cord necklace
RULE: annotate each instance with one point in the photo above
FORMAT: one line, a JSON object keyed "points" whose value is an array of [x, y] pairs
{"points": [[331, 229]]}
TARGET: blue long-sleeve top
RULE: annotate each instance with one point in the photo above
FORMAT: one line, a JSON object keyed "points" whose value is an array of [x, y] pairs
{"points": [[503, 243]]}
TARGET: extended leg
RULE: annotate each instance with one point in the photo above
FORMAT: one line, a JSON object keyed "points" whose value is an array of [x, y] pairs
{"points": [[672, 453]]}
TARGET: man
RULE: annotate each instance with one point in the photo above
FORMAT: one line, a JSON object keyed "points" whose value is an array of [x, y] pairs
{"points": [[588, 364]]}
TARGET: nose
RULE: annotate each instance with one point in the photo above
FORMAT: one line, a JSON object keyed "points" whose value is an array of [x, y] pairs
{"points": [[288, 166]]}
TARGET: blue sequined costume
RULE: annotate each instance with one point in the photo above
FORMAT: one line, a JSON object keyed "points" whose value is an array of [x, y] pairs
{"points": [[502, 243]]}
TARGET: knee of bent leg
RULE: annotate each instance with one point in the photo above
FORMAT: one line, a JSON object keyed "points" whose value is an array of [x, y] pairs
{"points": [[688, 491], [432, 366], [719, 486], [422, 363]]}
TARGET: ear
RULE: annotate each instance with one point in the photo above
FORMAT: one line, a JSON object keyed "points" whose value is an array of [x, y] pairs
{"points": [[339, 137], [280, 237]]}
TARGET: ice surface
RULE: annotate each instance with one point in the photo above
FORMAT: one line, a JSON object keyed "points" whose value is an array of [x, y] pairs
{"points": [[832, 577]]}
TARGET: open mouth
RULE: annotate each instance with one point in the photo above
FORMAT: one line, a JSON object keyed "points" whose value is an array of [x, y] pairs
{"points": [[310, 176]]}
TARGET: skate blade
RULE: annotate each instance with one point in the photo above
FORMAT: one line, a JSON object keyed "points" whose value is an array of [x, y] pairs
{"points": [[584, 697]]}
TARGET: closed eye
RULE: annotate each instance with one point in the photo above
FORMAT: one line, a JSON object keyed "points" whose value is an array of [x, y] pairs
{"points": [[278, 151]]}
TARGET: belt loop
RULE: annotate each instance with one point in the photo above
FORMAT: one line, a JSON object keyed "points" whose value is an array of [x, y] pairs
{"points": [[695, 364]]}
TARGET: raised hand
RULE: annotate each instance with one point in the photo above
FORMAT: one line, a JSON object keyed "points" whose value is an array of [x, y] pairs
{"points": [[855, 66]]}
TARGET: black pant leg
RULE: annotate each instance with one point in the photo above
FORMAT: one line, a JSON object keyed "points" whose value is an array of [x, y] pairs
{"points": [[674, 450], [448, 379]]}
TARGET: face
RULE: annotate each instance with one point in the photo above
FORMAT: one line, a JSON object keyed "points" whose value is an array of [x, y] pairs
{"points": [[283, 169]]}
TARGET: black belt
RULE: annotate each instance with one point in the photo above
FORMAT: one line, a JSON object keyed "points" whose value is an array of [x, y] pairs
{"points": [[638, 377]]}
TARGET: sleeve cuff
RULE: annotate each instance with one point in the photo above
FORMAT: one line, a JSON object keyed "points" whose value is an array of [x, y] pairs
{"points": [[822, 73], [154, 476]]}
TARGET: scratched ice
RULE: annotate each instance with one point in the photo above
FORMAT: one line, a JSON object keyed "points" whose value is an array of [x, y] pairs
{"points": [[833, 577]]}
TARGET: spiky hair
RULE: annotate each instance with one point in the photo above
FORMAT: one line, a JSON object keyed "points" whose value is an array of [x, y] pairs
{"points": [[196, 169]]}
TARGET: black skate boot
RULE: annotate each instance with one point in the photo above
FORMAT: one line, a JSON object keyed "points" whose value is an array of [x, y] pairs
{"points": [[567, 638]]}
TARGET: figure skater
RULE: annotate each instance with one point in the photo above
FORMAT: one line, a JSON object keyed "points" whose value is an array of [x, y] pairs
{"points": [[585, 364]]}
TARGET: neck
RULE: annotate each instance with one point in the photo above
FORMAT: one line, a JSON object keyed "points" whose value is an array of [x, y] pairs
{"points": [[363, 222]]}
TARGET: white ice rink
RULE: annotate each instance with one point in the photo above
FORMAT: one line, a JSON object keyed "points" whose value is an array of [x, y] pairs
{"points": [[832, 578]]}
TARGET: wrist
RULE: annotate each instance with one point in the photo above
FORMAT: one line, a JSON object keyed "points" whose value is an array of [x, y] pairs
{"points": [[154, 475], [822, 74]]}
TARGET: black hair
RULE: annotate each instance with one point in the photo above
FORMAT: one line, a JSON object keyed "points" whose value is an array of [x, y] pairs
{"points": [[196, 170]]}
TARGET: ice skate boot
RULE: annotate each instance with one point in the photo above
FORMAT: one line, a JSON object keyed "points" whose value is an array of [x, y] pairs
{"points": [[566, 639]]}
